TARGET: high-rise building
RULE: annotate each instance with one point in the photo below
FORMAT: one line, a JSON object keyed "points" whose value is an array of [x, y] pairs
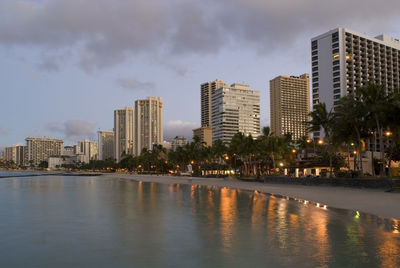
{"points": [[106, 145], [148, 123], [88, 149], [206, 91], [235, 109], [205, 135], [40, 149], [289, 105], [21, 155], [343, 60], [123, 132], [10, 154]]}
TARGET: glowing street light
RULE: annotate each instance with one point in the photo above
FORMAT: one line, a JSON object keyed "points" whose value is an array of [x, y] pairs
{"points": [[294, 151], [308, 141], [388, 133], [281, 164], [320, 142]]}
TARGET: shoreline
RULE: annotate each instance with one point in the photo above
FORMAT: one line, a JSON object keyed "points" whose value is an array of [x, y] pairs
{"points": [[383, 204]]}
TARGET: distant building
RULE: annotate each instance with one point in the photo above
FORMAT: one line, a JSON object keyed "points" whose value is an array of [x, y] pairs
{"points": [[148, 123], [69, 151], [178, 141], [167, 145], [205, 135], [206, 91], [40, 149], [21, 155], [289, 105], [123, 132], [10, 154], [235, 109], [106, 145], [88, 149]]}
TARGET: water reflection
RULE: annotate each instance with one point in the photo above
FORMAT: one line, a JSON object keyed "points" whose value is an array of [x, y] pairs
{"points": [[127, 223]]}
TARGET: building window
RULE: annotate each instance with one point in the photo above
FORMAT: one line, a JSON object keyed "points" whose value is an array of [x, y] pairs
{"points": [[335, 51], [336, 85], [315, 63], [335, 62], [315, 52], [337, 79], [336, 68], [315, 69], [335, 45], [336, 91], [314, 58], [315, 84]]}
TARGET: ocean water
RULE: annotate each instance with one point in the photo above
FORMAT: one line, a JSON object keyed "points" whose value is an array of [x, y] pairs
{"points": [[101, 222]]}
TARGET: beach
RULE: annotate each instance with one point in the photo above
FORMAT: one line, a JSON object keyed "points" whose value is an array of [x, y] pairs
{"points": [[371, 201]]}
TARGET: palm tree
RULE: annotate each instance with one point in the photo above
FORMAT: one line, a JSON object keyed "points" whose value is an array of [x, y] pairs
{"points": [[218, 150], [375, 101], [350, 124], [321, 118]]}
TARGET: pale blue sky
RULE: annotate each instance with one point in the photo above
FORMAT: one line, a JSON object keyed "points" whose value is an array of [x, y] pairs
{"points": [[65, 65]]}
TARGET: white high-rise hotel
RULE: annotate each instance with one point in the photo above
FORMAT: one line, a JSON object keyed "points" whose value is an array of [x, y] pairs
{"points": [[235, 109], [343, 60]]}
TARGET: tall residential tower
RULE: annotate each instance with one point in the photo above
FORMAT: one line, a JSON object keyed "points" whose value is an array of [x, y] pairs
{"points": [[123, 133], [206, 91], [148, 123], [343, 60], [289, 104], [235, 109]]}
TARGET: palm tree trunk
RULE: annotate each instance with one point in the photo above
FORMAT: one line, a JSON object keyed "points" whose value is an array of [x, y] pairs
{"points": [[380, 134]]}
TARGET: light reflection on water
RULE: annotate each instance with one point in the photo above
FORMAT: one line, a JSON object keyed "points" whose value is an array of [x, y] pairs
{"points": [[78, 221]]}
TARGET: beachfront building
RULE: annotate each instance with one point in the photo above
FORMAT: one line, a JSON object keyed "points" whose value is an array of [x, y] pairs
{"points": [[69, 150], [178, 141], [205, 135], [148, 123], [40, 149], [289, 105], [343, 60], [123, 132], [106, 145], [88, 151], [235, 109], [10, 154], [207, 90]]}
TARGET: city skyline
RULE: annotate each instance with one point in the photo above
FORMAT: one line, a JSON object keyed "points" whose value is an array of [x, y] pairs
{"points": [[78, 88]]}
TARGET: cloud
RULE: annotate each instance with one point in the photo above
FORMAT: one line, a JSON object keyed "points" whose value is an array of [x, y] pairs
{"points": [[133, 84], [179, 128], [3, 131], [73, 129], [50, 64], [105, 33]]}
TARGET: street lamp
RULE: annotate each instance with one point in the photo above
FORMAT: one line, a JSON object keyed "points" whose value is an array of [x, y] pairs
{"points": [[320, 142], [388, 133]]}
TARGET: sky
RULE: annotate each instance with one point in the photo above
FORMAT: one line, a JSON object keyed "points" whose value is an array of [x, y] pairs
{"points": [[66, 65]]}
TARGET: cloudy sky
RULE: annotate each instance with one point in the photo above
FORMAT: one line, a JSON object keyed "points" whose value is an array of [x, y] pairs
{"points": [[65, 65]]}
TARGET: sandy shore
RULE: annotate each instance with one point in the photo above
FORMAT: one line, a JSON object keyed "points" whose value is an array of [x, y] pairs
{"points": [[370, 201]]}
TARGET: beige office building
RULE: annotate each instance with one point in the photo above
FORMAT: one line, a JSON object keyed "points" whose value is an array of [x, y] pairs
{"points": [[205, 135], [40, 149], [206, 91], [123, 132], [106, 145], [235, 109], [289, 105], [148, 123]]}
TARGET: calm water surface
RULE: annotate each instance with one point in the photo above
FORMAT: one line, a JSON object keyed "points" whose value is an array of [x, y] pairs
{"points": [[100, 222]]}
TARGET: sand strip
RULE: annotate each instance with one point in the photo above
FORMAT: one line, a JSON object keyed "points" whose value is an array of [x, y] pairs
{"points": [[372, 201]]}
